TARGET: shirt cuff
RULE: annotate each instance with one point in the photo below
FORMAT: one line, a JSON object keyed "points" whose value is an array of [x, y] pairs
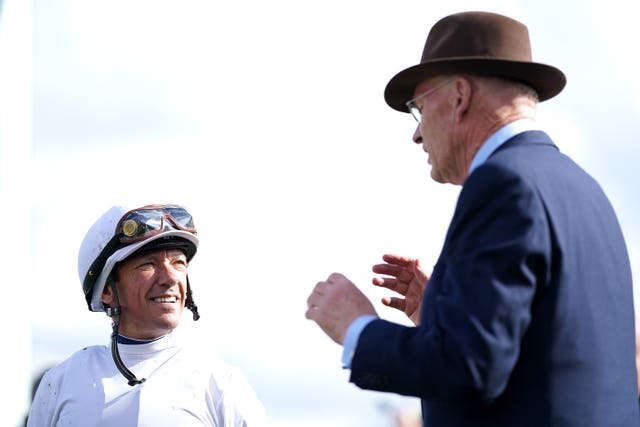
{"points": [[351, 338]]}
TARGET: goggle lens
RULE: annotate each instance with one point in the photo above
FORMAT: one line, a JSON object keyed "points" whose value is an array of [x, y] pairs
{"points": [[148, 221]]}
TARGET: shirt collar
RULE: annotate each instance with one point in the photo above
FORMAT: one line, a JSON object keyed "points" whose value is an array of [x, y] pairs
{"points": [[498, 138], [127, 340]]}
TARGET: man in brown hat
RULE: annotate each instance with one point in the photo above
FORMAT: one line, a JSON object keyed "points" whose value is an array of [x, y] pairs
{"points": [[527, 318]]}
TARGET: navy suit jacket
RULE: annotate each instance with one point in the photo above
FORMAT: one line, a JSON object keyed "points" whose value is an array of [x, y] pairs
{"points": [[528, 317]]}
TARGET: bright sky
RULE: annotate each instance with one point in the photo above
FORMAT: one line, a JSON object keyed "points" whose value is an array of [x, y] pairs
{"points": [[267, 120]]}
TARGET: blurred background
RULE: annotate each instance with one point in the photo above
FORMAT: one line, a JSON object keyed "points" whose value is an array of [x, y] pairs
{"points": [[267, 120]]}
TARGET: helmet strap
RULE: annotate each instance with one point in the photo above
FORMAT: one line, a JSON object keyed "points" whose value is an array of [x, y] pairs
{"points": [[114, 313], [189, 302]]}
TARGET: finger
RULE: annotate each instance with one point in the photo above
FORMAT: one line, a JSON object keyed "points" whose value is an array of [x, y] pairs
{"points": [[391, 284], [393, 302], [310, 301], [320, 288], [398, 260], [315, 299], [404, 274], [388, 269], [312, 313], [335, 277]]}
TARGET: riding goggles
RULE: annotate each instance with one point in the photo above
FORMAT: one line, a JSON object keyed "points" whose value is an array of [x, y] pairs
{"points": [[142, 223]]}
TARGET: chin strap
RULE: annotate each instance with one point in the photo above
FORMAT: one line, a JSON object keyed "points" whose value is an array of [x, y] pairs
{"points": [[189, 302], [114, 313]]}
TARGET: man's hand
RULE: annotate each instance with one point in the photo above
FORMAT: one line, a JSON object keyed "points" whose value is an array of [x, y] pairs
{"points": [[335, 303], [408, 279]]}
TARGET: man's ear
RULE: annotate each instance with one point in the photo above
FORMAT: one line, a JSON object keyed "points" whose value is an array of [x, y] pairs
{"points": [[107, 293], [464, 92]]}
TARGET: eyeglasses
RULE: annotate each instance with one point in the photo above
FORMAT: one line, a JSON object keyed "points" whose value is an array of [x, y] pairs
{"points": [[142, 223], [413, 107]]}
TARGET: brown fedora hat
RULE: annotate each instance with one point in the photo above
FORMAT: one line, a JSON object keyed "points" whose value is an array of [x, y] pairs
{"points": [[477, 43]]}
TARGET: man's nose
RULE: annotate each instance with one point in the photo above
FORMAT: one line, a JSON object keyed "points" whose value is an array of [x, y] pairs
{"points": [[167, 274], [417, 136]]}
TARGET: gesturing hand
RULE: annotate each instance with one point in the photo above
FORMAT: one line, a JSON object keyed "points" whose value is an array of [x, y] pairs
{"points": [[335, 303], [408, 279]]}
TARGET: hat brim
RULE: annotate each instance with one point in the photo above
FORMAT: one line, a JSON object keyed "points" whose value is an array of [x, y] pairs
{"points": [[546, 80], [124, 253]]}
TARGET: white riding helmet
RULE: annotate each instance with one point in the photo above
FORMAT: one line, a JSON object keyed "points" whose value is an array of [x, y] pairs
{"points": [[120, 232]]}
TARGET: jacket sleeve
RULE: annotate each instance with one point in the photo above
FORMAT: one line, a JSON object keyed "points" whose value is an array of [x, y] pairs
{"points": [[41, 411], [477, 305]]}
